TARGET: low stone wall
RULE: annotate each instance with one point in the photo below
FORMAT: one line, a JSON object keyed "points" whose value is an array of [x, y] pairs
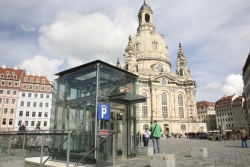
{"points": [[9, 161], [33, 164]]}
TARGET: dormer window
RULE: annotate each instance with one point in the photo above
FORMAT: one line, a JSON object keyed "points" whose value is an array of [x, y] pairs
{"points": [[2, 75], [13, 73], [43, 81], [8, 76], [37, 80], [26, 79], [32, 80], [7, 72], [14, 76]]}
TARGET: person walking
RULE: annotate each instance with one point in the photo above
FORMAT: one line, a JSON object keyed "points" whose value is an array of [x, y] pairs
{"points": [[243, 138], [38, 139], [23, 127], [146, 136], [156, 130]]}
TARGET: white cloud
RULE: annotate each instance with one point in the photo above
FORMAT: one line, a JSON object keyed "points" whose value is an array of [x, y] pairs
{"points": [[42, 65], [234, 84], [27, 29], [84, 38], [213, 86]]}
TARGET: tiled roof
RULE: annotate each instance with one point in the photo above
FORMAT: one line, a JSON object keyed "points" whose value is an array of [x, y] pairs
{"points": [[238, 101], [225, 101], [11, 73]]}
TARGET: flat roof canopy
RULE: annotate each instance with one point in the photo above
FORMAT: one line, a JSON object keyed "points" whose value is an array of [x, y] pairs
{"points": [[127, 97]]}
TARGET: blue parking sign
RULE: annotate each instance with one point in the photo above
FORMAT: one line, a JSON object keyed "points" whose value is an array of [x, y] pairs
{"points": [[103, 111]]}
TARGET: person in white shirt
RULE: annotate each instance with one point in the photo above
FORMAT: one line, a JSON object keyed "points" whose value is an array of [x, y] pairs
{"points": [[146, 136]]}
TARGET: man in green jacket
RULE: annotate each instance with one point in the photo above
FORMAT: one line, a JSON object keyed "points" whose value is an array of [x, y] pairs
{"points": [[156, 130]]}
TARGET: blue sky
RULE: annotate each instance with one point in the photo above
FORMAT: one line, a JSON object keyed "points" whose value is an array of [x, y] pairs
{"points": [[46, 36]]}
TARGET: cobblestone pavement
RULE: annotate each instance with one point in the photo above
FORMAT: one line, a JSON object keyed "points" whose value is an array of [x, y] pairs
{"points": [[220, 154]]}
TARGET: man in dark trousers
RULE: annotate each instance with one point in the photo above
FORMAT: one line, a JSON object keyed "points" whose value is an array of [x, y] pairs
{"points": [[156, 130], [22, 128]]}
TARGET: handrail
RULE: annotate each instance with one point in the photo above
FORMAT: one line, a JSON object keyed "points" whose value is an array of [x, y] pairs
{"points": [[96, 147]]}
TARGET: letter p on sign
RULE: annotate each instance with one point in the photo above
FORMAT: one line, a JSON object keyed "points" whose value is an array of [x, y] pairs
{"points": [[103, 111]]}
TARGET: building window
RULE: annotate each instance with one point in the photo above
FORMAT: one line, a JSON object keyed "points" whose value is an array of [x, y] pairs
{"points": [[47, 96], [164, 111], [20, 113], [181, 72], [23, 94], [10, 121], [16, 84], [32, 123], [164, 98], [144, 111], [14, 92], [24, 86], [5, 110], [26, 79], [46, 114], [8, 92], [37, 80], [48, 88], [137, 47], [13, 101], [32, 80], [40, 114], [145, 126], [30, 87], [27, 113], [37, 87], [28, 104], [46, 105], [43, 81], [183, 127], [27, 122], [15, 77], [45, 123], [34, 104], [22, 103], [180, 100], [41, 104], [29, 94], [33, 114], [7, 101], [9, 84], [42, 87], [35, 95], [1, 91], [19, 123], [39, 122], [181, 112], [4, 121], [160, 69], [41, 95], [12, 111], [3, 83]]}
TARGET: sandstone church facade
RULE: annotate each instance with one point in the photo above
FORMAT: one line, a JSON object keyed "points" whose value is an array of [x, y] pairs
{"points": [[171, 95]]}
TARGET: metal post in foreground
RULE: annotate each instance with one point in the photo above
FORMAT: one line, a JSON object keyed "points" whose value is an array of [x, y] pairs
{"points": [[114, 149], [68, 149], [24, 140], [41, 158], [9, 145]]}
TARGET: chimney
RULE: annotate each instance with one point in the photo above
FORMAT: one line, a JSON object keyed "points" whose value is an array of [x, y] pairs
{"points": [[15, 68], [28, 73], [39, 75], [4, 66], [34, 74]]}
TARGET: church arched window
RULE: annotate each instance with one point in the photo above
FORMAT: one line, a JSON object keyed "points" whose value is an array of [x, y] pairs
{"points": [[160, 68], [147, 18], [145, 95], [137, 47], [180, 100], [181, 72], [183, 127], [164, 105], [155, 45]]}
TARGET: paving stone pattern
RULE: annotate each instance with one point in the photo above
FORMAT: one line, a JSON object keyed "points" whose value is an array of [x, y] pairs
{"points": [[220, 154]]}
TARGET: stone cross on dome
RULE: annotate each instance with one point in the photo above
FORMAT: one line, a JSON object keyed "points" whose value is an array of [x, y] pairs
{"points": [[144, 1]]}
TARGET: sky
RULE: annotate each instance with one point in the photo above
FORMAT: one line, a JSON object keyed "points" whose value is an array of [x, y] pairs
{"points": [[46, 37]]}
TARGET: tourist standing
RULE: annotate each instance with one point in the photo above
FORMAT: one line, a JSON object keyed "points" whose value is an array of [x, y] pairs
{"points": [[156, 130], [146, 136], [243, 138]]}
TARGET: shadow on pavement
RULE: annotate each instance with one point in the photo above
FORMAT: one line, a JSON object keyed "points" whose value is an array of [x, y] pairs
{"points": [[233, 146]]}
